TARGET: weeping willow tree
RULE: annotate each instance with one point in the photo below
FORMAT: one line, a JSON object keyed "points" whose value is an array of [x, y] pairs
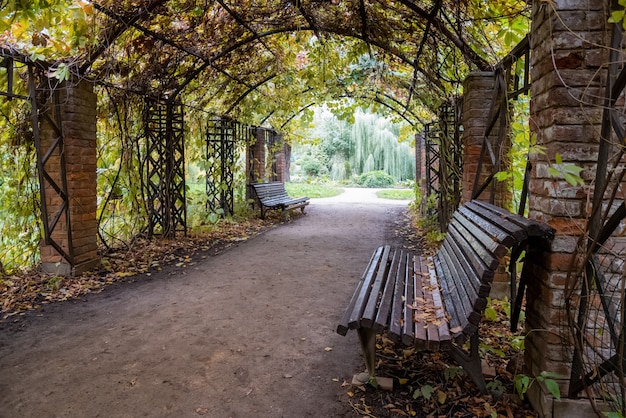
{"points": [[376, 147], [349, 148]]}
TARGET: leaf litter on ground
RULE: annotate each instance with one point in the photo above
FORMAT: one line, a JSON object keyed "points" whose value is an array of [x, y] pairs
{"points": [[24, 291]]}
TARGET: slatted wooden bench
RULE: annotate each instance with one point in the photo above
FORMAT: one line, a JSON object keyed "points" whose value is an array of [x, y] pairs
{"points": [[437, 303], [273, 195]]}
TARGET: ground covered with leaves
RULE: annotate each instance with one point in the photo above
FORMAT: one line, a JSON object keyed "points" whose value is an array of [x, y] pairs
{"points": [[30, 290]]}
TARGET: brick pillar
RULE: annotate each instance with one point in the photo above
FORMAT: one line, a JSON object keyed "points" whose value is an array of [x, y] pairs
{"points": [[255, 160], [78, 125], [566, 94], [477, 96], [256, 157], [280, 157]]}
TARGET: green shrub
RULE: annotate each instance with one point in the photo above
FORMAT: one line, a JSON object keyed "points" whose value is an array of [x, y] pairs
{"points": [[375, 179]]}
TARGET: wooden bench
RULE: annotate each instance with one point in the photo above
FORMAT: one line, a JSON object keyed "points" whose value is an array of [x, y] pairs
{"points": [[437, 303], [274, 196]]}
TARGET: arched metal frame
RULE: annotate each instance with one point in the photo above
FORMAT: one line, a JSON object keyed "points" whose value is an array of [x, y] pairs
{"points": [[163, 165]]}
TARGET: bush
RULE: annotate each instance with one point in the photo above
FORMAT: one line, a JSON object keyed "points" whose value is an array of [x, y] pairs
{"points": [[376, 179]]}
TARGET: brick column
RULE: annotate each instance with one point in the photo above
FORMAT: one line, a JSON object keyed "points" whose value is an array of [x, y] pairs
{"points": [[566, 110], [256, 157], [279, 156], [255, 160], [78, 125], [477, 95]]}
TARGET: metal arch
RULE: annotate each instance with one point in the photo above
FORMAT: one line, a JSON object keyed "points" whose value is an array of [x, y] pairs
{"points": [[164, 168]]}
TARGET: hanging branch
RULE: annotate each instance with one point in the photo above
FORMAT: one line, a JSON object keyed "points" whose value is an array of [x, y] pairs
{"points": [[114, 32], [240, 20], [433, 13], [250, 90], [465, 49], [364, 27]]}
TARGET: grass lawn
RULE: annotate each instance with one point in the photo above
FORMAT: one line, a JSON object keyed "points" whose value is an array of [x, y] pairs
{"points": [[312, 190], [396, 194]]}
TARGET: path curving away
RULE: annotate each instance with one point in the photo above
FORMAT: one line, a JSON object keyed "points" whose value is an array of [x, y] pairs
{"points": [[247, 333]]}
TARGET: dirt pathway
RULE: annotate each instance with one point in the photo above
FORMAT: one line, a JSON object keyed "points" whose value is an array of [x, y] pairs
{"points": [[247, 333]]}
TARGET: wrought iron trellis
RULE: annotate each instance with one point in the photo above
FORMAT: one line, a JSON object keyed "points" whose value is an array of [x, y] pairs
{"points": [[431, 144], [222, 137], [509, 85], [164, 167], [51, 162], [597, 316], [444, 162], [451, 160]]}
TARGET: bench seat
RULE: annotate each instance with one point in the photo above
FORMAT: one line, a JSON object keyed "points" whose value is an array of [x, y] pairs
{"points": [[436, 303]]}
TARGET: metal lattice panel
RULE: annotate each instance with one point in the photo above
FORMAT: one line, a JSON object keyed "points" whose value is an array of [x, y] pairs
{"points": [[221, 152], [597, 293], [164, 168], [431, 142], [451, 161]]}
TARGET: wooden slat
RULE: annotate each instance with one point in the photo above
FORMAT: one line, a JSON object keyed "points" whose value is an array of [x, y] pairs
{"points": [[397, 312], [512, 228], [440, 311], [532, 227], [384, 308], [431, 329], [494, 247], [483, 287], [420, 272], [369, 313], [454, 307], [408, 332], [491, 260], [361, 300], [453, 289], [494, 231], [475, 252], [343, 326], [467, 284]]}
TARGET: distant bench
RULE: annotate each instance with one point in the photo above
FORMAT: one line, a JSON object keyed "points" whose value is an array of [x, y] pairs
{"points": [[274, 196], [437, 303]]}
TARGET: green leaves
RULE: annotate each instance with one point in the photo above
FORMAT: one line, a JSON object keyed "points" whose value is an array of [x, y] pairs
{"points": [[569, 172], [523, 383], [47, 30]]}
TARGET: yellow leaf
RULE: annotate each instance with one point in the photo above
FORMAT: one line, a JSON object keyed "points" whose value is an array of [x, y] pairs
{"points": [[441, 397]]}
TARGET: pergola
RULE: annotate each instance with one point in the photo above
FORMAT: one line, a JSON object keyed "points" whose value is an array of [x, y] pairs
{"points": [[262, 63]]}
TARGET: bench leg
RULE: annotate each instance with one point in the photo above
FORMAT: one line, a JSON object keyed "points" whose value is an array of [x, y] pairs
{"points": [[367, 337], [471, 362]]}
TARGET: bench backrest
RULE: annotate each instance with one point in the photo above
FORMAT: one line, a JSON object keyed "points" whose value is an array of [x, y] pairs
{"points": [[270, 191], [479, 236]]}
